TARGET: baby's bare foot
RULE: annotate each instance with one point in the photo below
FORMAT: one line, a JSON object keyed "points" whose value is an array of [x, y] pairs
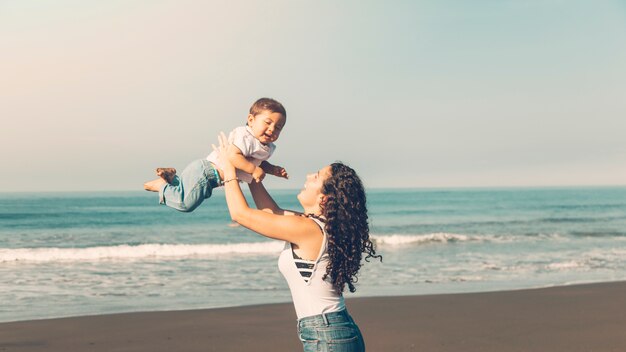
{"points": [[154, 185], [166, 173]]}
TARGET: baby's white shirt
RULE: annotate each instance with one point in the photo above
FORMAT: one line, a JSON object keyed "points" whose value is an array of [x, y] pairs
{"points": [[251, 148]]}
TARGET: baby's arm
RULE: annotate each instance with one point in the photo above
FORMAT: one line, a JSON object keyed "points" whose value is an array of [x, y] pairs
{"points": [[275, 170], [240, 162]]}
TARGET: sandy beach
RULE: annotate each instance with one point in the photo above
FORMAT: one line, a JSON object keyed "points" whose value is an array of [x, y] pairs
{"points": [[571, 318]]}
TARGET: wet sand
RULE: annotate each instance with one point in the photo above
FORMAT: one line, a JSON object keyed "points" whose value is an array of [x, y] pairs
{"points": [[570, 318]]}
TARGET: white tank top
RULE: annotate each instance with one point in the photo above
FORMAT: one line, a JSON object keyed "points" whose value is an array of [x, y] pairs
{"points": [[311, 295]]}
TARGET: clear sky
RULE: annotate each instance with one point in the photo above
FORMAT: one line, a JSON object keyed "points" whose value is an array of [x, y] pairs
{"points": [[95, 94]]}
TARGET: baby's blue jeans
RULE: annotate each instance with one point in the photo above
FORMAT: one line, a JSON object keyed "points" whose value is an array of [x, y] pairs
{"points": [[191, 187]]}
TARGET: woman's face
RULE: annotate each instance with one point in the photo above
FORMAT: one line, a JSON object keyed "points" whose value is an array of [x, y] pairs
{"points": [[311, 194]]}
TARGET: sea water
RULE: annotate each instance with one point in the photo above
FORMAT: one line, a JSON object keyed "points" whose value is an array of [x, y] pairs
{"points": [[69, 254]]}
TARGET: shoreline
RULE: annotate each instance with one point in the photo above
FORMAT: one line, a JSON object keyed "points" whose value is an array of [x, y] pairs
{"points": [[561, 318]]}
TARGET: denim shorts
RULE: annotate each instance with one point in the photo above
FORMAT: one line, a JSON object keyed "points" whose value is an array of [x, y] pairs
{"points": [[334, 331]]}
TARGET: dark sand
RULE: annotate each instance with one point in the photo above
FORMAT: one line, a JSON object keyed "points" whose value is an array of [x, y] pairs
{"points": [[572, 318]]}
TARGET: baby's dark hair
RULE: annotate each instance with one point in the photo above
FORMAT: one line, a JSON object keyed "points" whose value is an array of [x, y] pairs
{"points": [[267, 104]]}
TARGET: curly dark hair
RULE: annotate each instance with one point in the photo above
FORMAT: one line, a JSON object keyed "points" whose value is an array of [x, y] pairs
{"points": [[345, 215]]}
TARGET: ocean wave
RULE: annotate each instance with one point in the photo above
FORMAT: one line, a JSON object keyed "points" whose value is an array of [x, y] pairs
{"points": [[442, 237], [567, 265], [445, 237], [129, 252]]}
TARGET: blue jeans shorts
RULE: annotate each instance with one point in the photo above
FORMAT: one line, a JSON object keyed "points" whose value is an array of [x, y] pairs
{"points": [[334, 331], [191, 187]]}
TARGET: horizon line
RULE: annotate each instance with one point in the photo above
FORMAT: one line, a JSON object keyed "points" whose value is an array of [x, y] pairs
{"points": [[366, 188]]}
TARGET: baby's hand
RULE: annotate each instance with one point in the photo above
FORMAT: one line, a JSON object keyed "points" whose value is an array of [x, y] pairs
{"points": [[258, 174], [274, 170], [280, 172]]}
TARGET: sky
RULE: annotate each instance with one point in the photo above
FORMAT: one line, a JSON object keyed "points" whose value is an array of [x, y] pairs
{"points": [[94, 95]]}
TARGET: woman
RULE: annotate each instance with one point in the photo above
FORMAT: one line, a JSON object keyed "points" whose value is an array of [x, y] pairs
{"points": [[323, 249]]}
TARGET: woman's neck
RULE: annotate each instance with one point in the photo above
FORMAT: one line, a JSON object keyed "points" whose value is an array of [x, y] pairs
{"points": [[313, 211]]}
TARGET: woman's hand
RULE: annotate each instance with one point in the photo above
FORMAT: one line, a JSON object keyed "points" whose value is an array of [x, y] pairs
{"points": [[227, 167], [259, 174]]}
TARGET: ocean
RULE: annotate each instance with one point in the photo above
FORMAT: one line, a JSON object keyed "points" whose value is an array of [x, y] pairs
{"points": [[71, 254]]}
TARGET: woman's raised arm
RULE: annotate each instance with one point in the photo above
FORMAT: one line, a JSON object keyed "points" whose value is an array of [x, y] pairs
{"points": [[265, 202], [295, 229]]}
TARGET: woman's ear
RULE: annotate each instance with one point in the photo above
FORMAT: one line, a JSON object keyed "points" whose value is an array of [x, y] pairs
{"points": [[323, 199]]}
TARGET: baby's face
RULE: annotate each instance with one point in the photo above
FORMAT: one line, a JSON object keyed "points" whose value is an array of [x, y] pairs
{"points": [[266, 126]]}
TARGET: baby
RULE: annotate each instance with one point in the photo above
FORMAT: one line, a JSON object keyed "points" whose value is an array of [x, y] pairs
{"points": [[251, 146]]}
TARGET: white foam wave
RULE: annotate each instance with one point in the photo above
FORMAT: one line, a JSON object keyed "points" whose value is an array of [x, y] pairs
{"points": [[126, 252], [396, 240], [444, 237], [566, 265]]}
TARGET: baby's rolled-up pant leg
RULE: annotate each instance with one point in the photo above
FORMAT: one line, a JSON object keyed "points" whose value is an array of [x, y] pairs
{"points": [[189, 189]]}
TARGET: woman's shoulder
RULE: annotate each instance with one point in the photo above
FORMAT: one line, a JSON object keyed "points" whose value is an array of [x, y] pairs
{"points": [[320, 221]]}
